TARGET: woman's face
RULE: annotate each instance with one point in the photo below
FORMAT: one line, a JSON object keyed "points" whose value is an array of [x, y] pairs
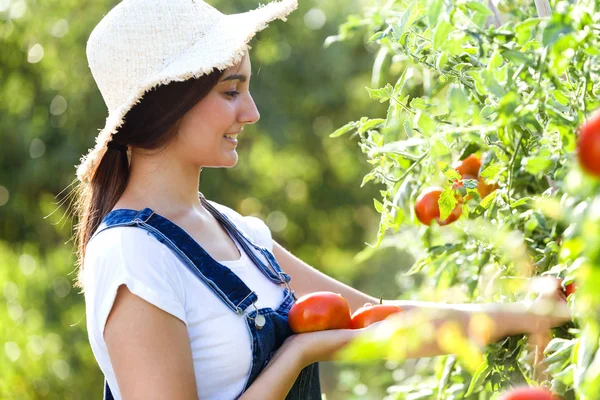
{"points": [[208, 133]]}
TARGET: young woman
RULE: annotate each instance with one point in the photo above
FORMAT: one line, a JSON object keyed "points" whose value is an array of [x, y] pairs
{"points": [[185, 298]]}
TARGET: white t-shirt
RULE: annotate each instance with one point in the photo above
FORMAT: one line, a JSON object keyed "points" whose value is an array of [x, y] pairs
{"points": [[219, 338]]}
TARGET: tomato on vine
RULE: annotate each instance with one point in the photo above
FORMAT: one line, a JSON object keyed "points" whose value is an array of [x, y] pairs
{"points": [[427, 208], [570, 289], [588, 145], [468, 166]]}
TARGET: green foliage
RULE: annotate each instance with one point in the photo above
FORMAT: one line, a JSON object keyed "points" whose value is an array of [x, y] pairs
{"points": [[515, 94]]}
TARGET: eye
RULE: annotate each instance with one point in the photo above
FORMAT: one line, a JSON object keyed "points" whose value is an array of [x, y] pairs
{"points": [[232, 94]]}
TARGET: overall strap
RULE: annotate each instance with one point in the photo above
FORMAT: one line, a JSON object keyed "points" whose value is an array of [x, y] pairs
{"points": [[226, 285], [273, 271]]}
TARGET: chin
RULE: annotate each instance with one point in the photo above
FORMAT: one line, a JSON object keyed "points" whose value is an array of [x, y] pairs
{"points": [[230, 162]]}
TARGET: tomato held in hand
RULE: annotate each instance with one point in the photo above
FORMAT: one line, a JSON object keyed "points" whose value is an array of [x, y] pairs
{"points": [[570, 289], [588, 145], [528, 393], [319, 311], [371, 313], [427, 208], [468, 166]]}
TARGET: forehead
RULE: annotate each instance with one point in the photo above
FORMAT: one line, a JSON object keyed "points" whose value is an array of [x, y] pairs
{"points": [[240, 72]]}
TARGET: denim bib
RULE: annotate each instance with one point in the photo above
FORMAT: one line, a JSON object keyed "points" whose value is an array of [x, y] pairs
{"points": [[268, 328]]}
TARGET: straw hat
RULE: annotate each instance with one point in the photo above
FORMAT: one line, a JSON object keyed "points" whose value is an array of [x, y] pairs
{"points": [[141, 44]]}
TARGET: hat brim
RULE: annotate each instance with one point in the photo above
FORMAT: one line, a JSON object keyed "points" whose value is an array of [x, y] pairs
{"points": [[223, 47]]}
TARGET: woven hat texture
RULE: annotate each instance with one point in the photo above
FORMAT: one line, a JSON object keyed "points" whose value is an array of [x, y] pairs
{"points": [[141, 44]]}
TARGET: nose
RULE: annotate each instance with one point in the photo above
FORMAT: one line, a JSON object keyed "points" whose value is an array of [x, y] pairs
{"points": [[249, 113]]}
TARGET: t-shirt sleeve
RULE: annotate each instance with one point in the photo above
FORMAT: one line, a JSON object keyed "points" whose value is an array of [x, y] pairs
{"points": [[129, 256]]}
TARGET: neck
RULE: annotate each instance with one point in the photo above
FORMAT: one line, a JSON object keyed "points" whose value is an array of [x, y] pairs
{"points": [[164, 184]]}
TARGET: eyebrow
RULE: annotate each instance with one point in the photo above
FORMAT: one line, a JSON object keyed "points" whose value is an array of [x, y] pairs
{"points": [[241, 77]]}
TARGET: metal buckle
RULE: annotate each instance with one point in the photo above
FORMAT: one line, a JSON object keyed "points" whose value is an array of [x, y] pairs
{"points": [[146, 220], [260, 320]]}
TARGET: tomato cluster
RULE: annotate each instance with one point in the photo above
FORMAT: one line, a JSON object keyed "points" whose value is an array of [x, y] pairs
{"points": [[427, 208], [323, 310], [469, 169]]}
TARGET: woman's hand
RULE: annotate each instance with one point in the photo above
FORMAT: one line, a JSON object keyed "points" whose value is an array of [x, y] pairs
{"points": [[317, 346]]}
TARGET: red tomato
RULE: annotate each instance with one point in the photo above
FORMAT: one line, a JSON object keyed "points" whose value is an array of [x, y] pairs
{"points": [[482, 188], [588, 145], [528, 393], [468, 166], [319, 311], [427, 208], [570, 288], [371, 313]]}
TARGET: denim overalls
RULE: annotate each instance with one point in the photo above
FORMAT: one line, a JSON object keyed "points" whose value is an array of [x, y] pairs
{"points": [[268, 328]]}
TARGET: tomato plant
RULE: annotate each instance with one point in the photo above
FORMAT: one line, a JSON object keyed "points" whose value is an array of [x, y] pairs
{"points": [[319, 311], [519, 92]]}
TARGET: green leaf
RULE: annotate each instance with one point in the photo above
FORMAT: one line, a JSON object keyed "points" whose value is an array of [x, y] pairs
{"points": [[408, 128], [479, 376], [479, 7], [470, 183], [447, 202], [539, 163], [368, 178], [459, 102], [448, 171], [490, 172], [442, 33], [425, 122], [435, 9], [488, 200], [383, 94], [370, 124], [407, 19], [516, 57], [378, 36], [521, 202], [524, 30], [554, 31], [378, 206], [344, 129]]}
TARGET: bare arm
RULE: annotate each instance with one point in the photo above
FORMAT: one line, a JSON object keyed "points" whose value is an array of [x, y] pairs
{"points": [[306, 279], [149, 350], [506, 319]]}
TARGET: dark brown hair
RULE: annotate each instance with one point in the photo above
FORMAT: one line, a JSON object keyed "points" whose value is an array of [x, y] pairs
{"points": [[151, 124]]}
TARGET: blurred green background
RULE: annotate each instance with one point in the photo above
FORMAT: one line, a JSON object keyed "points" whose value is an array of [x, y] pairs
{"points": [[303, 184]]}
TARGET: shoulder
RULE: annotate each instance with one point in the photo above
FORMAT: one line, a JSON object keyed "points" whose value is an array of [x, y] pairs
{"points": [[131, 256], [122, 242], [127, 251]]}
